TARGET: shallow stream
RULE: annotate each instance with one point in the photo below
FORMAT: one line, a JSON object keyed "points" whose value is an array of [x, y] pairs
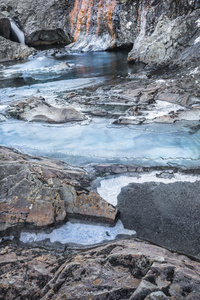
{"points": [[94, 140]]}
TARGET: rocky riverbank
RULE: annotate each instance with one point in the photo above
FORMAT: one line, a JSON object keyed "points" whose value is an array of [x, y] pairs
{"points": [[160, 186], [126, 269]]}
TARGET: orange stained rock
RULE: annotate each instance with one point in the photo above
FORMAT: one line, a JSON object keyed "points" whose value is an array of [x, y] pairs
{"points": [[82, 18]]}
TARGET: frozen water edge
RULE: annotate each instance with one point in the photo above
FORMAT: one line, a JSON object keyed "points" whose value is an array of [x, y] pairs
{"points": [[110, 188], [78, 233]]}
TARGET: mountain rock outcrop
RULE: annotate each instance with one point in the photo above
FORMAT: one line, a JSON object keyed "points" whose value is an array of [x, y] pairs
{"points": [[160, 32], [168, 32]]}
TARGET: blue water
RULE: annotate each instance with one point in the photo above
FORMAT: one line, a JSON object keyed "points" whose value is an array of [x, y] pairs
{"points": [[99, 141], [102, 142]]}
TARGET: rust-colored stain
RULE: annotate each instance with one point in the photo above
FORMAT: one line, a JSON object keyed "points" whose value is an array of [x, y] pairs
{"points": [[95, 15]]}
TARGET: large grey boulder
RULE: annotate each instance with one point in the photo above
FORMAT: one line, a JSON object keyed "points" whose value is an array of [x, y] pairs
{"points": [[11, 51], [167, 214]]}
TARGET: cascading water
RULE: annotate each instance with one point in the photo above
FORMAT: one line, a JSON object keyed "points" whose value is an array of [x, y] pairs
{"points": [[17, 34], [92, 24]]}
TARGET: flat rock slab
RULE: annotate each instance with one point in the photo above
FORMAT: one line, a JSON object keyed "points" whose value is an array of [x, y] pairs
{"points": [[127, 269], [37, 109], [167, 214], [40, 193]]}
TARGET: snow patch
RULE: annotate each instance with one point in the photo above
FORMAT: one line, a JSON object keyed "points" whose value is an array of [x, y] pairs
{"points": [[78, 233], [110, 188]]}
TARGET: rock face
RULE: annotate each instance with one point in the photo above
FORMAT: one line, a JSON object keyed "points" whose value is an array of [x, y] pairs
{"points": [[37, 109], [41, 192], [49, 22], [167, 31], [12, 51], [159, 30], [166, 214], [5, 26], [43, 22], [127, 269]]}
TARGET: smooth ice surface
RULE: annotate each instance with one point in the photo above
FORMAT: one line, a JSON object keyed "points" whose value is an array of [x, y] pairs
{"points": [[100, 142], [110, 188], [78, 233]]}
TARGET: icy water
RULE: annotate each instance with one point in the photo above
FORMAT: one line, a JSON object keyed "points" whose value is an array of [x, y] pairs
{"points": [[90, 141], [87, 142]]}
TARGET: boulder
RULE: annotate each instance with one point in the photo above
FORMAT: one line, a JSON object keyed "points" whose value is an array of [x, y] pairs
{"points": [[44, 23], [11, 51], [5, 26], [126, 269], [166, 214], [37, 109], [39, 192]]}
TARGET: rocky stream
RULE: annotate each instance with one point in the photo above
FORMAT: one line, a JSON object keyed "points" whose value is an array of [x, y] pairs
{"points": [[99, 149]]}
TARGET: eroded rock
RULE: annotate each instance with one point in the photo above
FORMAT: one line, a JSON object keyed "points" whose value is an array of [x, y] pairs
{"points": [[42, 192], [37, 109], [126, 269], [5, 26], [12, 51]]}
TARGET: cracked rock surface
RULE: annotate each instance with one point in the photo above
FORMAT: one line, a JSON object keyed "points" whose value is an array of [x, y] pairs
{"points": [[41, 192], [126, 269]]}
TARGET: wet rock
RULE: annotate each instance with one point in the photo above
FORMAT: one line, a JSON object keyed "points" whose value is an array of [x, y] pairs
{"points": [[126, 269], [99, 112], [12, 51], [5, 26], [188, 115], [166, 214], [43, 23], [41, 192], [177, 98], [37, 109], [62, 66]]}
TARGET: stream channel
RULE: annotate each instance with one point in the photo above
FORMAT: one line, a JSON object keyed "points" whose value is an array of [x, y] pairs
{"points": [[94, 140]]}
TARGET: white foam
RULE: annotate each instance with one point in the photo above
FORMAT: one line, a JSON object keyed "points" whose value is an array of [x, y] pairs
{"points": [[162, 108], [78, 233], [195, 71], [110, 188], [197, 40], [3, 107]]}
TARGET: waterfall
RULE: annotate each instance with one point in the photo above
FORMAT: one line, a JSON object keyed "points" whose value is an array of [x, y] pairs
{"points": [[91, 24], [17, 34]]}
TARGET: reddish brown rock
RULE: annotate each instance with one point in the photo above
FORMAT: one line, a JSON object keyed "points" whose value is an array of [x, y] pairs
{"points": [[126, 269], [43, 192]]}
